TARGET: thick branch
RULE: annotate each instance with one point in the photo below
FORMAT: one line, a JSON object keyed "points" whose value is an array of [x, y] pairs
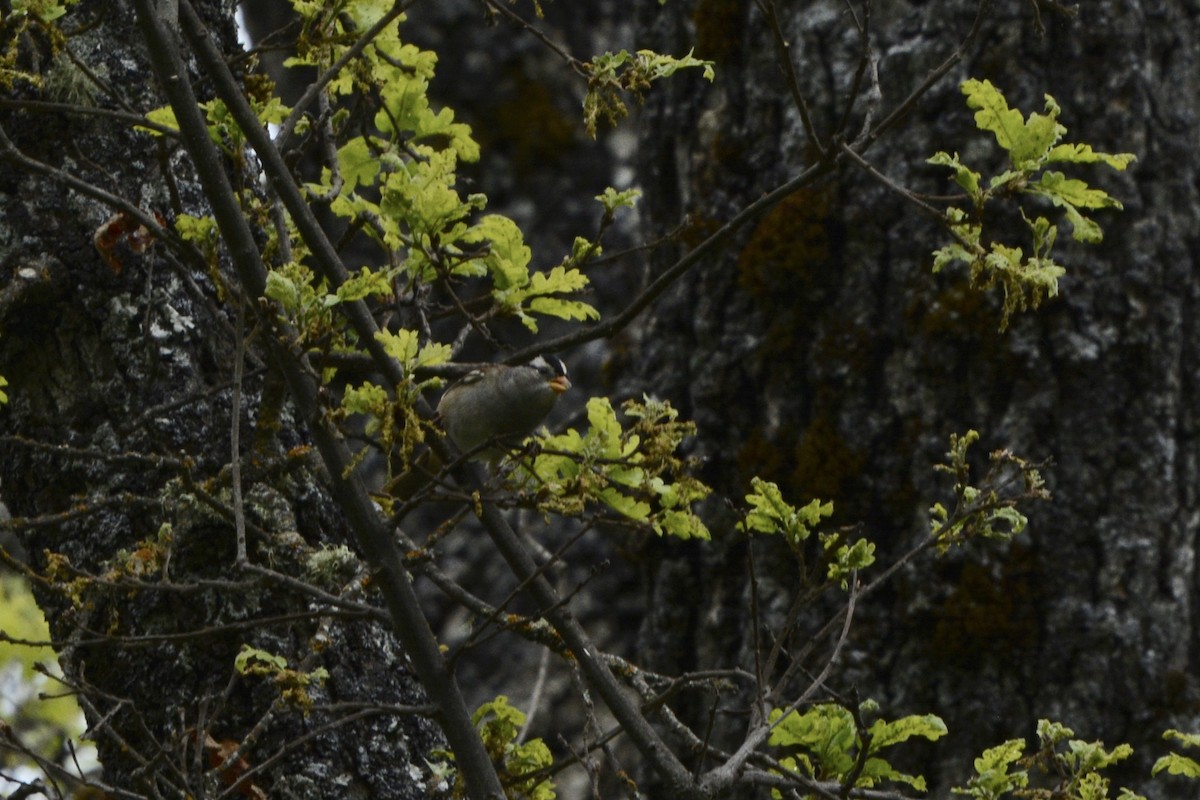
{"points": [[519, 560], [410, 625]]}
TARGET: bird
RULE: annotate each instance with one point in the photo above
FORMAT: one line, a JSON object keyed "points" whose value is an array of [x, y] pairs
{"points": [[501, 404]]}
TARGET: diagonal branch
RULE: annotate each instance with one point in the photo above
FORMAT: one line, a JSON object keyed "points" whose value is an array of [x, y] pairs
{"points": [[909, 103], [767, 9], [827, 164], [350, 490], [373, 536], [282, 139]]}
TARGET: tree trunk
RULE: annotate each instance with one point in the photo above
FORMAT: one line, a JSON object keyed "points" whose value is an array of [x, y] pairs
{"points": [[820, 352], [817, 350], [118, 440]]}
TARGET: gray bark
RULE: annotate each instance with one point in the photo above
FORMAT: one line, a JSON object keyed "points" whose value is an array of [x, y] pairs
{"points": [[819, 352], [120, 420]]}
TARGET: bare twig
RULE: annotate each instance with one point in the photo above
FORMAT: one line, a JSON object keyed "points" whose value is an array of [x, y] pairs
{"points": [[726, 774], [127, 117], [865, 59], [502, 8], [660, 284], [235, 434], [935, 213], [909, 103], [535, 694], [864, 744], [10, 153], [767, 8]]}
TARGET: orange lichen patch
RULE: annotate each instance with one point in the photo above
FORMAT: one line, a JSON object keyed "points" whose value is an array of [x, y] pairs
{"points": [[987, 613], [825, 463], [788, 248], [816, 462]]}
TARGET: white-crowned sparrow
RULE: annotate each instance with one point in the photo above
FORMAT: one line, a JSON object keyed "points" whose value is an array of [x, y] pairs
{"points": [[501, 403]]}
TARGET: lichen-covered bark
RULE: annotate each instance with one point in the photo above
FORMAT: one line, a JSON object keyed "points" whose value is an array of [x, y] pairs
{"points": [[120, 422], [820, 352], [817, 351]]}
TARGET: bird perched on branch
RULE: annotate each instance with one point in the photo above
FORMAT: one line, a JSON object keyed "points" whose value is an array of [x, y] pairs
{"points": [[501, 403], [495, 403]]}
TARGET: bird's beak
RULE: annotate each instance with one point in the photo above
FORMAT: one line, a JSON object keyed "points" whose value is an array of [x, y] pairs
{"points": [[559, 384]]}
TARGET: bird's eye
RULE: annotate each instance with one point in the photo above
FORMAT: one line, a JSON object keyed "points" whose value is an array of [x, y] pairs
{"points": [[549, 367]]}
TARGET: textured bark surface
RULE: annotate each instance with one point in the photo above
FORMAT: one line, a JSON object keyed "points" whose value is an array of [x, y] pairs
{"points": [[120, 421], [819, 351]]}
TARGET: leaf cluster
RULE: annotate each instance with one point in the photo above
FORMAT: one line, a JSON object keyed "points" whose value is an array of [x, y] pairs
{"points": [[27, 16], [293, 684], [632, 469], [1175, 763], [768, 513], [829, 742], [499, 725], [610, 75], [397, 182], [1032, 145], [1061, 767], [991, 509], [45, 10]]}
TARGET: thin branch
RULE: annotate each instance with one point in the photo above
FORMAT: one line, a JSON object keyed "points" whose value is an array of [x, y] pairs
{"points": [[235, 435], [706, 741], [103, 639], [789, 70], [126, 117], [306, 588], [10, 153], [283, 137], [755, 621], [909, 103], [819, 681], [81, 510], [937, 214], [151, 460], [535, 694], [55, 772], [864, 744], [409, 622], [660, 284], [867, 57], [237, 787], [502, 8], [722, 777]]}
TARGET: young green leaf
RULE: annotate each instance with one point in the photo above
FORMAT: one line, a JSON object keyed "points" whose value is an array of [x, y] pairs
{"points": [[993, 779], [770, 513], [826, 744], [1175, 764]]}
